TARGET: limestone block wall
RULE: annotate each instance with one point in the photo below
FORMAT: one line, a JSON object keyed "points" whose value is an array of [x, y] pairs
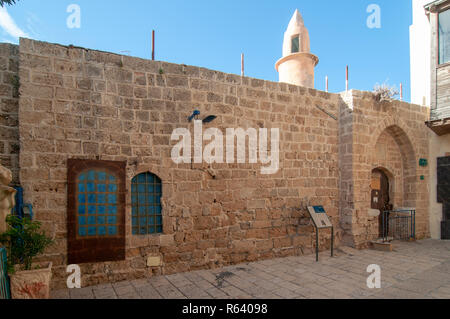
{"points": [[374, 126], [79, 103], [9, 108], [85, 104]]}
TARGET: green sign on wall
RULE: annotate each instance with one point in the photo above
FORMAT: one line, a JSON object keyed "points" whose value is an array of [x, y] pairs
{"points": [[423, 162]]}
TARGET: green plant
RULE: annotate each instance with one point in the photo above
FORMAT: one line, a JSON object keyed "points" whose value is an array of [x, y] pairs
{"points": [[161, 71], [9, 2], [24, 240]]}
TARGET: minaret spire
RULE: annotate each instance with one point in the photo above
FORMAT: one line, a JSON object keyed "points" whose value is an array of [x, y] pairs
{"points": [[296, 20], [297, 65]]}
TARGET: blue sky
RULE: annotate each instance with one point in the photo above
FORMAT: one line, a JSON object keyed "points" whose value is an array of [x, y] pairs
{"points": [[213, 34]]}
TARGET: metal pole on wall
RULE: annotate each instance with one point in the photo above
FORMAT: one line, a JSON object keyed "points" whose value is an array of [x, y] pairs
{"points": [[317, 244], [401, 91], [153, 45], [242, 64], [346, 78], [332, 241], [326, 83]]}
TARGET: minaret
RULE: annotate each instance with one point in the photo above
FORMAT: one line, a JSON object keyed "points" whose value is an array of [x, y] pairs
{"points": [[297, 64]]}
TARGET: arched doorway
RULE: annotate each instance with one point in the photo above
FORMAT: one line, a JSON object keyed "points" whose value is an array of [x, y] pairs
{"points": [[394, 155], [394, 175], [380, 194]]}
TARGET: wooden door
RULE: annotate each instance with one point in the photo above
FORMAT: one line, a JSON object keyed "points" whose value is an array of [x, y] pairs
{"points": [[380, 195]]}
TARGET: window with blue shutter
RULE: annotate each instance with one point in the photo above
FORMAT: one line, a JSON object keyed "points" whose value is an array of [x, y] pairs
{"points": [[96, 211], [146, 211]]}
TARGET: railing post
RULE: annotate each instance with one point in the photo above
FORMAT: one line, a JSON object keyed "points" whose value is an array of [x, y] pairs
{"points": [[4, 281]]}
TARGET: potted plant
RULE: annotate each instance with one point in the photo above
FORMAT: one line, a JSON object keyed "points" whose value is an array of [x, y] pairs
{"points": [[24, 240]]}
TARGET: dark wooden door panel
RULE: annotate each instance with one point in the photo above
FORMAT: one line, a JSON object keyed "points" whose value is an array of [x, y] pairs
{"points": [[443, 194], [96, 211]]}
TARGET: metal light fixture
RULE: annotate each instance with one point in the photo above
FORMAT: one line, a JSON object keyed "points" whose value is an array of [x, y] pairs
{"points": [[207, 119], [195, 114]]}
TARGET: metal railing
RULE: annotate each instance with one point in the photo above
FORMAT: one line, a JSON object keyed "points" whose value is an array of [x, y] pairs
{"points": [[399, 224], [4, 280]]}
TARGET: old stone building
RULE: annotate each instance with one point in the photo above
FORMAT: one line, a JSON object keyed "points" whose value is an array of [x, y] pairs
{"points": [[94, 133]]}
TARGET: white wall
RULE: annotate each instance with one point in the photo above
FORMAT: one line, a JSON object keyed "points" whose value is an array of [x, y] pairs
{"points": [[439, 146], [420, 47]]}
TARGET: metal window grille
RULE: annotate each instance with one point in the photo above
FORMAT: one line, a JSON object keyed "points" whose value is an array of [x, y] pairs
{"points": [[96, 204], [146, 191], [4, 280]]}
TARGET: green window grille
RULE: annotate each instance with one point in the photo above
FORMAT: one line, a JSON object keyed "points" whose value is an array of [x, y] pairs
{"points": [[146, 211], [295, 44]]}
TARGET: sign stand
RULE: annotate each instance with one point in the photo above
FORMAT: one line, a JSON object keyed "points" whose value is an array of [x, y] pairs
{"points": [[321, 221]]}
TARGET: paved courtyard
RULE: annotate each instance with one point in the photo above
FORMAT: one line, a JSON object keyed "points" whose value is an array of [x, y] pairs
{"points": [[413, 270]]}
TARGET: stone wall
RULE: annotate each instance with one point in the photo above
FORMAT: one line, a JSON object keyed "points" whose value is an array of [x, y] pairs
{"points": [[78, 103], [9, 108], [85, 104]]}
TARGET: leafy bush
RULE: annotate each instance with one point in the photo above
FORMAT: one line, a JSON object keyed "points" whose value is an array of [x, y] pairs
{"points": [[23, 241]]}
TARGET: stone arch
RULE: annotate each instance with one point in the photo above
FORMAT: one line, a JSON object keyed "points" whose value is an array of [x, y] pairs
{"points": [[398, 128], [398, 131]]}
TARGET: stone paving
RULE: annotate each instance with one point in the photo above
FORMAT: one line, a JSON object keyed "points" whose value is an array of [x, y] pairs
{"points": [[413, 270]]}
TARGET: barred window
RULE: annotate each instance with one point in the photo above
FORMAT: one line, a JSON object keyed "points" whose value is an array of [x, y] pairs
{"points": [[146, 211]]}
